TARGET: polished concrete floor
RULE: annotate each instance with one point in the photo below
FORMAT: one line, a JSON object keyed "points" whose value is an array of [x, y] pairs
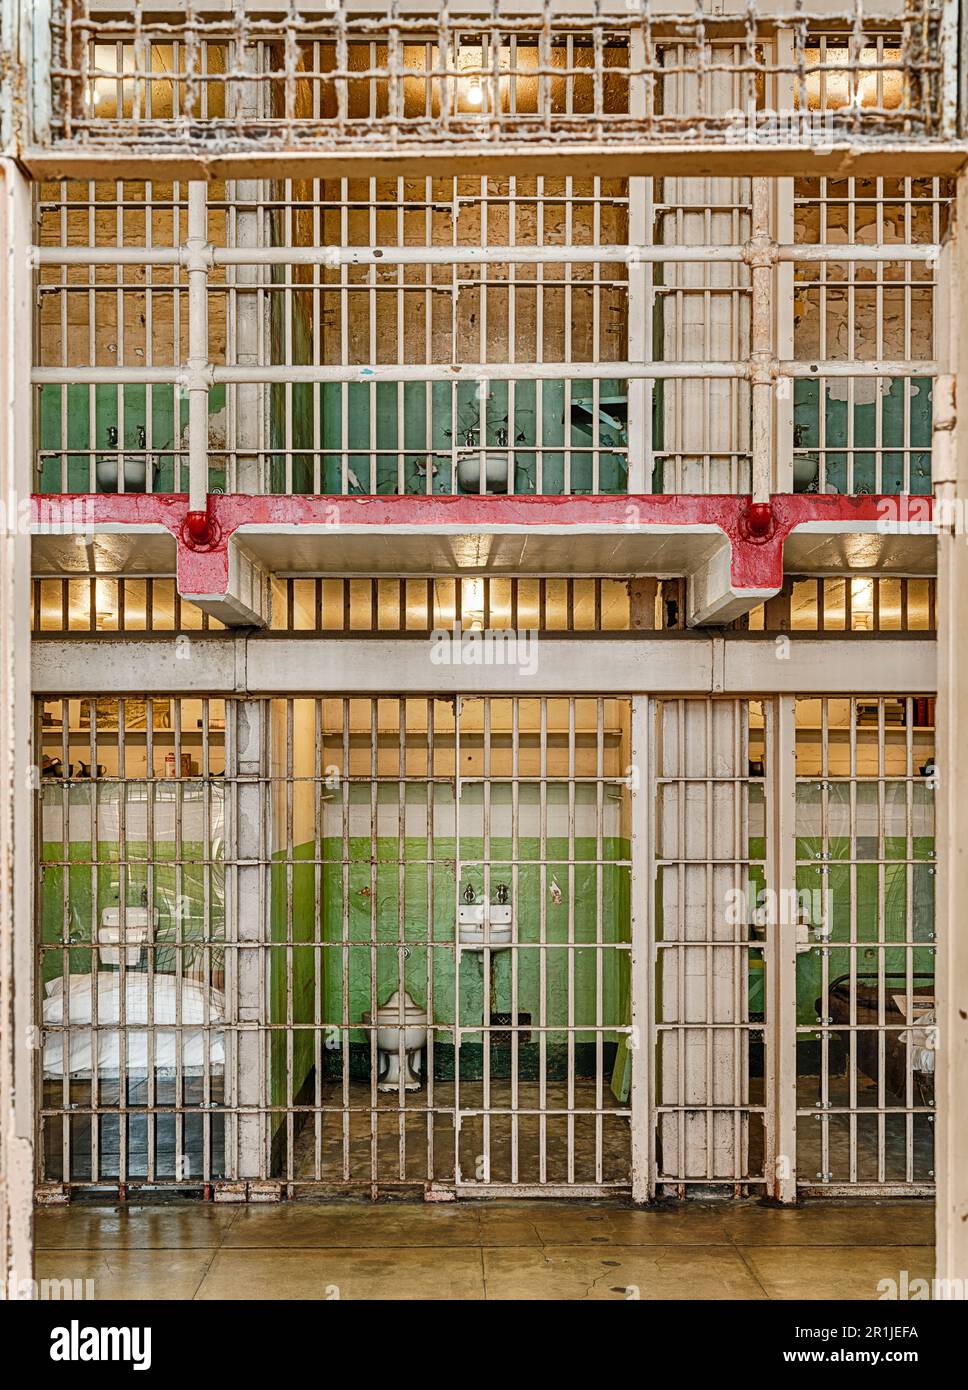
{"points": [[509, 1250]]}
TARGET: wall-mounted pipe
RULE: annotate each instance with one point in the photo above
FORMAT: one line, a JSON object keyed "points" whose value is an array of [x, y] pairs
{"points": [[761, 371], [198, 370]]}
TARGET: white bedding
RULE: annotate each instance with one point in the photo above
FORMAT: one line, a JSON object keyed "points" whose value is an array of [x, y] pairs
{"points": [[922, 1042], [195, 1009]]}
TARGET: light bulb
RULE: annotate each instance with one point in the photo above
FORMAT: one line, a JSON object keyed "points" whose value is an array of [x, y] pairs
{"points": [[475, 94]]}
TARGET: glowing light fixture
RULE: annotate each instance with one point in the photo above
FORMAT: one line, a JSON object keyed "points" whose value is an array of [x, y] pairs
{"points": [[878, 86], [472, 605], [474, 91]]}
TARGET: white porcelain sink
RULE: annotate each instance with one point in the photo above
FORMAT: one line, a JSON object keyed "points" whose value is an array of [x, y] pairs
{"points": [[483, 924], [138, 928], [133, 469], [495, 466]]}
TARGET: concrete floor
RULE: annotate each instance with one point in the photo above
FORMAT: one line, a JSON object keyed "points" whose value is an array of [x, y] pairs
{"points": [[599, 1154], [508, 1250]]}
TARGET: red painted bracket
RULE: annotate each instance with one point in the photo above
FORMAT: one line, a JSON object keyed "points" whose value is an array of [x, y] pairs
{"points": [[756, 532]]}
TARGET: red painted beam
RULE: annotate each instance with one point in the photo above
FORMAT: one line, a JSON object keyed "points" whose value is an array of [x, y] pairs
{"points": [[756, 535]]}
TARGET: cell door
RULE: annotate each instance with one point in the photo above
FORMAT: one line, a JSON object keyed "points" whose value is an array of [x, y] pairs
{"points": [[865, 997], [452, 981]]}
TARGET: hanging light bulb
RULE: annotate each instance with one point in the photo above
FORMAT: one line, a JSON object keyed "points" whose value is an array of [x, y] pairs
{"points": [[471, 92]]}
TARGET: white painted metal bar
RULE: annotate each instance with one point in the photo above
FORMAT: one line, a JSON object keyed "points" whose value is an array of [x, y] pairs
{"points": [[781, 959], [951, 458], [18, 750], [197, 363], [711, 1128], [641, 1040], [481, 371], [761, 346], [333, 256]]}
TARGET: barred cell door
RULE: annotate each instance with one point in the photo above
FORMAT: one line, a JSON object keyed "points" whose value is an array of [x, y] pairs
{"points": [[451, 990], [865, 996], [137, 963]]}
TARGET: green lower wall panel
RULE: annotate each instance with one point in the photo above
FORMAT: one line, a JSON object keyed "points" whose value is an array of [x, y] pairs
{"points": [[140, 406], [429, 914], [292, 899], [901, 887], [887, 410], [179, 897], [385, 438]]}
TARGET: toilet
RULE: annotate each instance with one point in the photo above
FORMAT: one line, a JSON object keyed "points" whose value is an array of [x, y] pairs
{"points": [[399, 1011]]}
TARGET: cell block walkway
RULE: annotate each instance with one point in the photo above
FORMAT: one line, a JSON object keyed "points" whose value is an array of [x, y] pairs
{"points": [[519, 1250]]}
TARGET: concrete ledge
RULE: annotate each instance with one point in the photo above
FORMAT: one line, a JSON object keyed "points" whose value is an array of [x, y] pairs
{"points": [[694, 664]]}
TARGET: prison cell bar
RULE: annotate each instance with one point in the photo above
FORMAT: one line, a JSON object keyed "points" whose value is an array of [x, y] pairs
{"points": [[928, 97], [103, 791], [846, 1174], [200, 257]]}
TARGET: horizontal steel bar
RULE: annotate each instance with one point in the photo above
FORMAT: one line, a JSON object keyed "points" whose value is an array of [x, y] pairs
{"points": [[375, 256], [477, 1190], [473, 371], [834, 1109]]}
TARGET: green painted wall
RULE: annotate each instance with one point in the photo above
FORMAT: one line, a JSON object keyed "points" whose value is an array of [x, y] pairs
{"points": [[177, 896], [890, 407], [894, 926], [433, 916], [295, 968], [79, 401]]}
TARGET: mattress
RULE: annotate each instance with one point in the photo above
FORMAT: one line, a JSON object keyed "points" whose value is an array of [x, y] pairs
{"points": [[196, 1044]]}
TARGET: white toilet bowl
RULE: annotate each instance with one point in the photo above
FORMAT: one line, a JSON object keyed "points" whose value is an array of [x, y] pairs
{"points": [[399, 1014]]}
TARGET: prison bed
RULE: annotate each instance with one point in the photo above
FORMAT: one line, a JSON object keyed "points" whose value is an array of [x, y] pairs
{"points": [[896, 1057], [123, 1076]]}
